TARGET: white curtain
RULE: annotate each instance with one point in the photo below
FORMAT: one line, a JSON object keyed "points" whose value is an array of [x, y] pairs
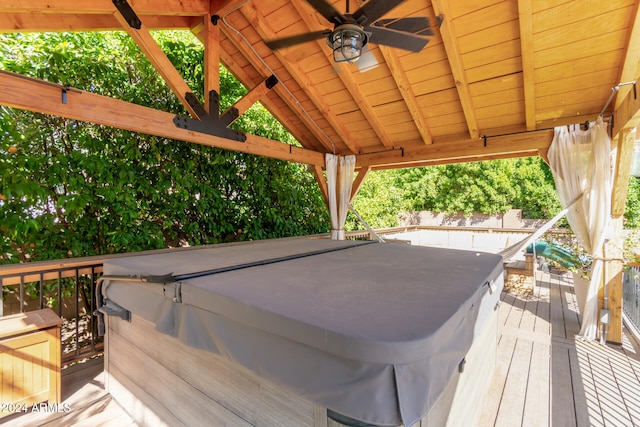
{"points": [[581, 165], [340, 170]]}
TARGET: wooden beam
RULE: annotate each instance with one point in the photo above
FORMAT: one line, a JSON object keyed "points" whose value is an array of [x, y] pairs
{"points": [[251, 14], [525, 15], [35, 95], [224, 7], [357, 183], [28, 22], [425, 163], [449, 39], [405, 88], [160, 62], [348, 80], [255, 94], [518, 145], [143, 7]]}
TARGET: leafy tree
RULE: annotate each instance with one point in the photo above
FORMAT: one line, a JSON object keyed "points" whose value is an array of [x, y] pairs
{"points": [[379, 201], [69, 188], [484, 187], [632, 208]]}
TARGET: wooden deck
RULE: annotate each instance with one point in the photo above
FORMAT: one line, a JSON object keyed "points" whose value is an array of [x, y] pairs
{"points": [[85, 402], [543, 377], [546, 377]]}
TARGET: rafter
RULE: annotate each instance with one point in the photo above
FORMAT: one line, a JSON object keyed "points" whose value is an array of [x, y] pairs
{"points": [[286, 98], [523, 144], [349, 82], [441, 7], [404, 86], [18, 92], [250, 13], [160, 61], [525, 12]]}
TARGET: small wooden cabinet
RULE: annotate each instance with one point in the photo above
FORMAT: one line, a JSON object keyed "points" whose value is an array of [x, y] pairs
{"points": [[29, 359]]}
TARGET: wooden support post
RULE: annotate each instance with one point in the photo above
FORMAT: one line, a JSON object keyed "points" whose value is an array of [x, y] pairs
{"points": [[613, 278], [211, 56], [613, 249]]}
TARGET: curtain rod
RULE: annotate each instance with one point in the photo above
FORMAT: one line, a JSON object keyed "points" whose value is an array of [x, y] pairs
{"points": [[615, 90], [585, 123]]}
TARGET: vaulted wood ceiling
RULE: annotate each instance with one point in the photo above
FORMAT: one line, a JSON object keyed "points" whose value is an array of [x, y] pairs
{"points": [[492, 72]]}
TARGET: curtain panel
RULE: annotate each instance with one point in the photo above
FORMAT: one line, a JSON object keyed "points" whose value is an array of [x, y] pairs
{"points": [[580, 161]]}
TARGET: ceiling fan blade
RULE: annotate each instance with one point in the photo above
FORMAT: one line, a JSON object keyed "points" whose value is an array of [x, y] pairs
{"points": [[398, 39], [297, 39], [327, 10], [374, 9], [418, 25]]}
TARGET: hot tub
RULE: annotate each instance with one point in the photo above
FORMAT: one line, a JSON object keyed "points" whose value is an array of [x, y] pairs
{"points": [[376, 333]]}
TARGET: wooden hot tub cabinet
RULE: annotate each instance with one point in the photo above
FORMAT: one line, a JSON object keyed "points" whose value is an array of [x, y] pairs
{"points": [[29, 360]]}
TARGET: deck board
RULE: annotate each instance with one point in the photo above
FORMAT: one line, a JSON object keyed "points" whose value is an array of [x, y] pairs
{"points": [[543, 375], [568, 382], [84, 395]]}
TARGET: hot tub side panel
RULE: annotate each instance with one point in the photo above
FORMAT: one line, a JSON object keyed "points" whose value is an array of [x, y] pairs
{"points": [[161, 381]]}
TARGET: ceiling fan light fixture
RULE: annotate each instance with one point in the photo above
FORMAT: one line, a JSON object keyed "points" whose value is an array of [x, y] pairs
{"points": [[347, 42]]}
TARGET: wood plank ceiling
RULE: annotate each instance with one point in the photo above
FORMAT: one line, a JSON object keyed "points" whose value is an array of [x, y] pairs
{"points": [[491, 69]]}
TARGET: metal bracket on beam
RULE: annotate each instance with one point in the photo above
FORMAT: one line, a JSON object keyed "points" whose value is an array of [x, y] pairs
{"points": [[128, 13], [271, 81], [211, 123]]}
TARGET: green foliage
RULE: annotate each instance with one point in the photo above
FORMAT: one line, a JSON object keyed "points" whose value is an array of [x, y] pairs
{"points": [[75, 189], [632, 207], [378, 202], [490, 187]]}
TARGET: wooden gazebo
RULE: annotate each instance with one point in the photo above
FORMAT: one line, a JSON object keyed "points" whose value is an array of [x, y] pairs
{"points": [[493, 80]]}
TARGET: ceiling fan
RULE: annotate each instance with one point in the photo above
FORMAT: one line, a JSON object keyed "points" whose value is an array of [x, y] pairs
{"points": [[352, 31]]}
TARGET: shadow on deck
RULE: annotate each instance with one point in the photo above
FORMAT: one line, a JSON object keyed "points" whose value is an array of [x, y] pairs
{"points": [[543, 376]]}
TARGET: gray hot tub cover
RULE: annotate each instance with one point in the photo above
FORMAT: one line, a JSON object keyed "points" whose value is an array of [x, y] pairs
{"points": [[371, 331]]}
